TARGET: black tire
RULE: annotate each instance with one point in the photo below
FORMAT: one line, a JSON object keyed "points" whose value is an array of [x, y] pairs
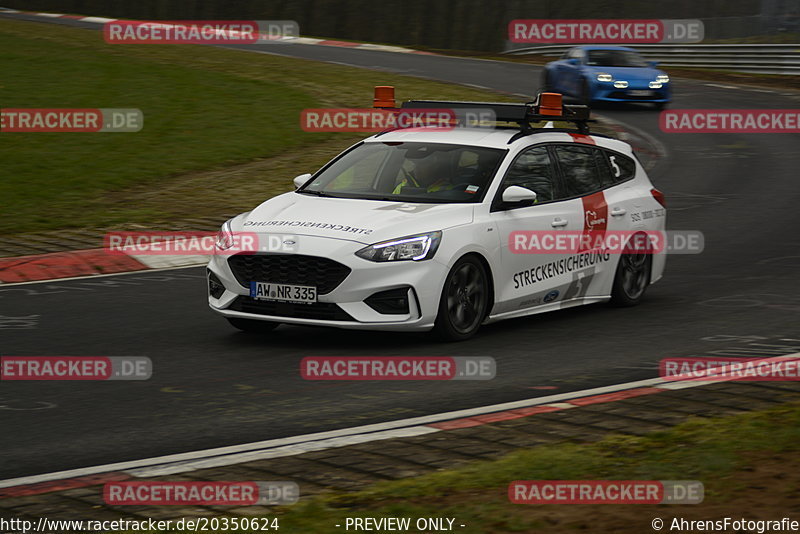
{"points": [[660, 106], [464, 302], [631, 279], [547, 83], [252, 325]]}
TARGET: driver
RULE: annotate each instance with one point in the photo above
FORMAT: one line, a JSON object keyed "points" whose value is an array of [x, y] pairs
{"points": [[430, 173]]}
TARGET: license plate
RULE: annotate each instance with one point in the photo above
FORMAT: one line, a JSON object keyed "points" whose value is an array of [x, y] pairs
{"points": [[283, 292], [639, 92]]}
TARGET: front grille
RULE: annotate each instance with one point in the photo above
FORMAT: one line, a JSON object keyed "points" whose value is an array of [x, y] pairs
{"points": [[627, 96], [326, 311], [295, 269]]}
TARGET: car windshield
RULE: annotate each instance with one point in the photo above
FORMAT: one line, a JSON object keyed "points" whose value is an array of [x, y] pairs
{"points": [[409, 172], [615, 58]]}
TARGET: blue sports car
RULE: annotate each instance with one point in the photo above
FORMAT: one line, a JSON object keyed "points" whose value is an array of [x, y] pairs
{"points": [[608, 74]]}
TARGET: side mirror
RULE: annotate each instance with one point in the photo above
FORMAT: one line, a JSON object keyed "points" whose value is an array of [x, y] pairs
{"points": [[573, 61], [653, 64], [299, 181], [516, 195]]}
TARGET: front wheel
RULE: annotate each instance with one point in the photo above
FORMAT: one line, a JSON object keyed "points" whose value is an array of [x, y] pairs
{"points": [[464, 301], [251, 325], [631, 279], [660, 106]]}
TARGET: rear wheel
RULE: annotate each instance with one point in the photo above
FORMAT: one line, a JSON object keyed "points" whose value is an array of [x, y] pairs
{"points": [[631, 279], [464, 301], [251, 325]]}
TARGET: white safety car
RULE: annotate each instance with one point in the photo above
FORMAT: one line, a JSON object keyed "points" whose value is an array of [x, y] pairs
{"points": [[428, 228]]}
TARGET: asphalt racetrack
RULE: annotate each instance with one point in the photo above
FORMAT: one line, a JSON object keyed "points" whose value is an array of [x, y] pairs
{"points": [[213, 386]]}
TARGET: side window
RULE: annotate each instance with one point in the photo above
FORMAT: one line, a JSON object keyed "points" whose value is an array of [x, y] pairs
{"points": [[533, 170], [622, 167], [585, 169]]}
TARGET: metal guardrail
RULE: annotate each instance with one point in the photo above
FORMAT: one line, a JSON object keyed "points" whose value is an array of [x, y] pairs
{"points": [[755, 58]]}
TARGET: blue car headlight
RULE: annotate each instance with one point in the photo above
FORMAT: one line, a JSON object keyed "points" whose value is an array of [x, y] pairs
{"points": [[604, 77], [662, 78]]}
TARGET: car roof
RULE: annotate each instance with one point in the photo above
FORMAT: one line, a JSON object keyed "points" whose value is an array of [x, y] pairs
{"points": [[489, 137]]}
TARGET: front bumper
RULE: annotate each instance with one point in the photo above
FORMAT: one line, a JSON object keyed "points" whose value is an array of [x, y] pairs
{"points": [[606, 92], [344, 306]]}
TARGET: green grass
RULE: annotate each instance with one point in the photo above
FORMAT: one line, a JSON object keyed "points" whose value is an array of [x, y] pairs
{"points": [[194, 119], [746, 463], [205, 110], [712, 451]]}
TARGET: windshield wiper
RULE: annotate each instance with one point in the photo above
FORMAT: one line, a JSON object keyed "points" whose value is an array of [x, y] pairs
{"points": [[316, 193]]}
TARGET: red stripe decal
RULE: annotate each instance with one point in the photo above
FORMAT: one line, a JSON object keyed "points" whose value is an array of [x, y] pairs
{"points": [[581, 138]]}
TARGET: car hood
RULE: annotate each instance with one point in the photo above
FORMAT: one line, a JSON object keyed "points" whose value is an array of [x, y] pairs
{"points": [[363, 221], [629, 73]]}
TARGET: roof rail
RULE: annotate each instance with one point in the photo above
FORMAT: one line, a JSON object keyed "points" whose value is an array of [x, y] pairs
{"points": [[547, 107]]}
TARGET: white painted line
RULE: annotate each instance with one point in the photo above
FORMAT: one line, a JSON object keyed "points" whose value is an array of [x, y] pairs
{"points": [[294, 440], [49, 15], [685, 385], [721, 86], [99, 20], [279, 452]]}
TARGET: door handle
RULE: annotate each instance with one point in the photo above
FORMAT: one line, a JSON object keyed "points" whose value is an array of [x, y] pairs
{"points": [[557, 223], [616, 212]]}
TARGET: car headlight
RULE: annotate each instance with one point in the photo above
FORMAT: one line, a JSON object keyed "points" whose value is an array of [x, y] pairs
{"points": [[415, 247], [655, 85], [621, 84], [662, 78], [225, 238], [604, 77]]}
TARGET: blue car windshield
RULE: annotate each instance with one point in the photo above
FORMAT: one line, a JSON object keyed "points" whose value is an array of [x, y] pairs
{"points": [[615, 58]]}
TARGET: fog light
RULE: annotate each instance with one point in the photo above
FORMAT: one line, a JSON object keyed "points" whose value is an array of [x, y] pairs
{"points": [[391, 302], [215, 287]]}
